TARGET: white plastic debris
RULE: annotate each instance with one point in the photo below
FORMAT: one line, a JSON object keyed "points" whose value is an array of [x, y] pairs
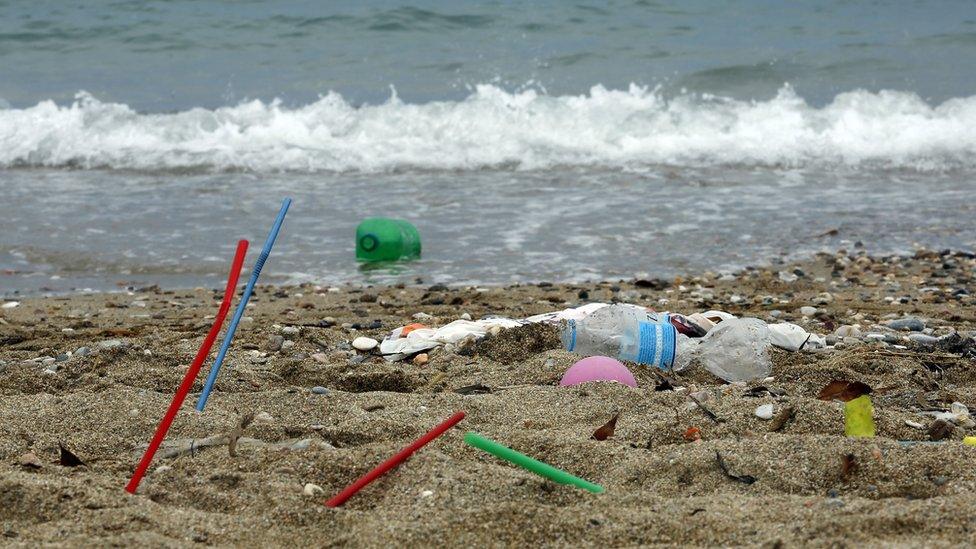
{"points": [[793, 338], [395, 347], [764, 411], [958, 414]]}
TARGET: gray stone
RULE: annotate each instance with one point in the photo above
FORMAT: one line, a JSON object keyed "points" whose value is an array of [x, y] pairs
{"points": [[62, 357], [907, 324], [923, 339], [82, 351], [274, 343], [110, 344], [319, 390]]}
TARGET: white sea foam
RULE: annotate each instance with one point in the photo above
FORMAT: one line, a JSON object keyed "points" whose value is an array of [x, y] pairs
{"points": [[633, 128]]}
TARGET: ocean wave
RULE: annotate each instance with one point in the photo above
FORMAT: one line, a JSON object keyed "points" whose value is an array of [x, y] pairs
{"points": [[637, 128]]}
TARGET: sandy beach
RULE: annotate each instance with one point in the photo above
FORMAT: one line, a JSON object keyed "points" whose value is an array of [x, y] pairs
{"points": [[94, 373]]}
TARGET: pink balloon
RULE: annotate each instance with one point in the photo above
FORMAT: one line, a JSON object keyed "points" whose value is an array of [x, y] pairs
{"points": [[598, 368]]}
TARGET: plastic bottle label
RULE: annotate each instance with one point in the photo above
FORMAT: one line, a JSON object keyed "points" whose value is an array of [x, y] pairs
{"points": [[656, 344], [572, 336]]}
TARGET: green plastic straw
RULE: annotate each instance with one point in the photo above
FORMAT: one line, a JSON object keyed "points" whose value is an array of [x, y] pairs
{"points": [[532, 465]]}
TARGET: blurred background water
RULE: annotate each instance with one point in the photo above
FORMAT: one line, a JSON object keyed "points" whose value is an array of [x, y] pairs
{"points": [[526, 140]]}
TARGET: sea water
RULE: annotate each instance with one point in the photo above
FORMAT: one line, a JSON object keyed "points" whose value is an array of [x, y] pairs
{"points": [[527, 141]]}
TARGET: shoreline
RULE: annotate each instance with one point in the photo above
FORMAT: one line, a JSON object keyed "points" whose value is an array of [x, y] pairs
{"points": [[326, 413]]}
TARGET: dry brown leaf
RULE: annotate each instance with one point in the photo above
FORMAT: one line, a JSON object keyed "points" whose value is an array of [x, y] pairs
{"points": [[844, 390], [941, 430], [848, 465], [782, 418], [68, 458], [605, 432]]}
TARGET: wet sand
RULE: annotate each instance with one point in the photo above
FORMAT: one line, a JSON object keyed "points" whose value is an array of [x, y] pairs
{"points": [[661, 489]]}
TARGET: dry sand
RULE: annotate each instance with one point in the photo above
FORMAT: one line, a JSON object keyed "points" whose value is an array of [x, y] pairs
{"points": [[660, 488]]}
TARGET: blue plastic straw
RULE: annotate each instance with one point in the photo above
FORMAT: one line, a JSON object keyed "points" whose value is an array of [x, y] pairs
{"points": [[248, 290]]}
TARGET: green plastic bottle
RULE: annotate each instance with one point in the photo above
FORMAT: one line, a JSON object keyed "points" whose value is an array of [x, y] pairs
{"points": [[385, 239]]}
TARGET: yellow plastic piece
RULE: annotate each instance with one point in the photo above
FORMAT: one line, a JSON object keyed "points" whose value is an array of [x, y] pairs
{"points": [[859, 415], [969, 441]]}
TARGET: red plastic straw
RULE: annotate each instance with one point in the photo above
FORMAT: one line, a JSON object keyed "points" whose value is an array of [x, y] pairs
{"points": [[191, 374], [394, 461]]}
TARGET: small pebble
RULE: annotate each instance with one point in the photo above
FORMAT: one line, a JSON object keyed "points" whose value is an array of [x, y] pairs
{"points": [[426, 493], [465, 316], [847, 331], [110, 344], [319, 390], [808, 311], [364, 343], [421, 359], [288, 344], [82, 351], [824, 298], [787, 277], [10, 305], [290, 330], [320, 357], [312, 489]]}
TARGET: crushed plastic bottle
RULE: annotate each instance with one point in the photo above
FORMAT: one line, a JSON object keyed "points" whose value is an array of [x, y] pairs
{"points": [[737, 350], [630, 333]]}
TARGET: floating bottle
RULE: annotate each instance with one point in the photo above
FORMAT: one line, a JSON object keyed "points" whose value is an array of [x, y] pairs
{"points": [[385, 239]]}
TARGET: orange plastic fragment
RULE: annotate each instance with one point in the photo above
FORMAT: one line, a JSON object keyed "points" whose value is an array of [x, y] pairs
{"points": [[411, 327]]}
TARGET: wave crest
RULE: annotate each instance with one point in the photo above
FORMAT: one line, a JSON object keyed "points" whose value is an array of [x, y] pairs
{"points": [[492, 128]]}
